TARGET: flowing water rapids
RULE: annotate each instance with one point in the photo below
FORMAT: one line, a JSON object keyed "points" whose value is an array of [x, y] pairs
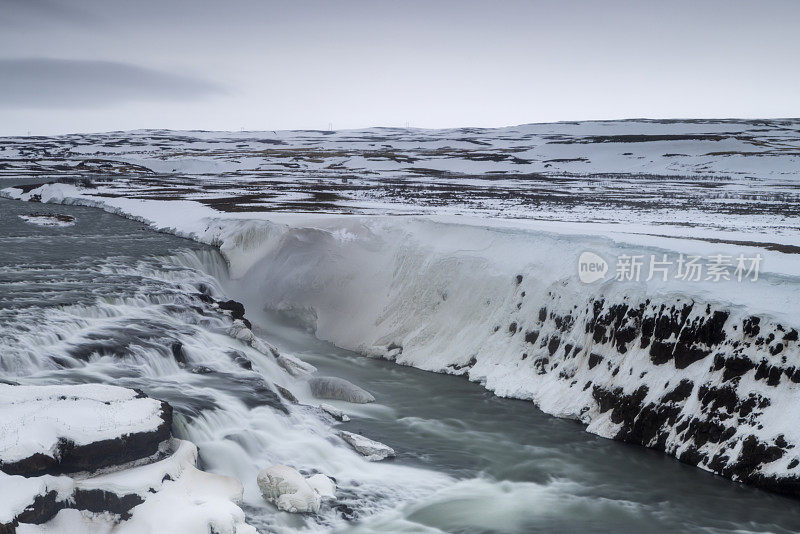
{"points": [[108, 300]]}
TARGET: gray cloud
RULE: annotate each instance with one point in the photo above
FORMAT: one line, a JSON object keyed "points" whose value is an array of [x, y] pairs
{"points": [[38, 13], [354, 63], [63, 83]]}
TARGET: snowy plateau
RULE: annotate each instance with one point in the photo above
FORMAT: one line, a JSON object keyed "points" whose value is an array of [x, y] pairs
{"points": [[456, 251]]}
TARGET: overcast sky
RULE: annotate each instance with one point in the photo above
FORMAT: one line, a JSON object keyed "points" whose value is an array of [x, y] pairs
{"points": [[98, 65]]}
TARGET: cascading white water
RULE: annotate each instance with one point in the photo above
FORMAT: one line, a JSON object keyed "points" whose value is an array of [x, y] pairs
{"points": [[128, 314]]}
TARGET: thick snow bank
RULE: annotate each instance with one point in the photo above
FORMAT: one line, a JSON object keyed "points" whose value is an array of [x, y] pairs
{"points": [[170, 495]]}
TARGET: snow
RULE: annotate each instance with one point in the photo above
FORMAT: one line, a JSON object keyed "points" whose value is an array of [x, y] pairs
{"points": [[74, 522], [289, 490], [178, 498], [48, 220], [439, 286], [322, 485], [195, 501], [36, 418], [374, 451], [295, 366], [240, 331], [661, 172], [334, 412], [18, 492], [334, 388]]}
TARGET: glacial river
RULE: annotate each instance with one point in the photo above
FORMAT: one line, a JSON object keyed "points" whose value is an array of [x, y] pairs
{"points": [[105, 300]]}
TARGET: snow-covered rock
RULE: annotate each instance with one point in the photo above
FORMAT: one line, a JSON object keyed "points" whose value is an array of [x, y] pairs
{"points": [[295, 366], [335, 388], [64, 429], [240, 331], [288, 490], [334, 412], [322, 485], [167, 495], [30, 499], [292, 365], [374, 451], [192, 501], [53, 220], [125, 471]]}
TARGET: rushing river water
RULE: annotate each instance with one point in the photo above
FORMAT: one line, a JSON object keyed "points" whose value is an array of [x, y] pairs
{"points": [[106, 300]]}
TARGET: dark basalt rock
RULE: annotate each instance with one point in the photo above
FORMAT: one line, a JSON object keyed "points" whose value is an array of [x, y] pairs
{"points": [[72, 458], [208, 299], [531, 336], [718, 398], [540, 364], [753, 454], [395, 346], [689, 339], [177, 352], [240, 359], [46, 507], [750, 326], [471, 363], [41, 510], [735, 366], [552, 345], [105, 501], [236, 308], [680, 393], [624, 408], [347, 512]]}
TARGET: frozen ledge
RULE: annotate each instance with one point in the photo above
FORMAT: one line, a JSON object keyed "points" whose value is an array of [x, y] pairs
{"points": [[122, 468], [65, 429]]}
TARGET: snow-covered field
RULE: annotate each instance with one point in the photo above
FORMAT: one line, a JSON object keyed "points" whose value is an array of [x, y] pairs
{"points": [[733, 175], [458, 251]]}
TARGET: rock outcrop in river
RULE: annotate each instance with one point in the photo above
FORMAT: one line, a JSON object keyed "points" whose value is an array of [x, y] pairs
{"points": [[104, 454]]}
